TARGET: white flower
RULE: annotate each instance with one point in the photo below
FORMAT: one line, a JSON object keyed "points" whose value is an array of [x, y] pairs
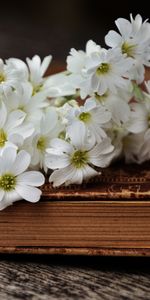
{"points": [[135, 121], [9, 77], [134, 148], [134, 41], [107, 71], [31, 105], [37, 70], [15, 182], [33, 72], [12, 129], [64, 111], [56, 85], [93, 116], [102, 71], [49, 128], [116, 104], [77, 59], [73, 162]]}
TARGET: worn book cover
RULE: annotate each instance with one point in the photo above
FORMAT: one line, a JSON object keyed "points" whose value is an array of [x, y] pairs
{"points": [[110, 215]]}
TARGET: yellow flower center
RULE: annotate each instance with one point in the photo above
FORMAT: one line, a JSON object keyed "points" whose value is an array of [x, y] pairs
{"points": [[37, 89], [85, 117], [42, 143], [62, 135], [7, 182], [22, 108], [101, 98], [128, 49], [79, 159], [103, 69], [3, 138], [2, 78]]}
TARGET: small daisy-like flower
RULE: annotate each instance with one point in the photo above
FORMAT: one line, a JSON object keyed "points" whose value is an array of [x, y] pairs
{"points": [[31, 105], [74, 161], [9, 77], [49, 128], [133, 40], [33, 72], [12, 129], [138, 153], [37, 70], [116, 104], [77, 59], [102, 71], [93, 116], [15, 182], [105, 71]]}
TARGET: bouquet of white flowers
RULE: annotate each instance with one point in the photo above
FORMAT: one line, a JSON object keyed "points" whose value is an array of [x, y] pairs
{"points": [[75, 123]]}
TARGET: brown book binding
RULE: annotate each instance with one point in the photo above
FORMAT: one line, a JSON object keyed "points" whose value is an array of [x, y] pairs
{"points": [[119, 181], [110, 215]]}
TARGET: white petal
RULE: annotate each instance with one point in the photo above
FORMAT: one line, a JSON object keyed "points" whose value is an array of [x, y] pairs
{"points": [[77, 134], [26, 130], [77, 177], [45, 63], [101, 115], [49, 121], [91, 47], [59, 177], [35, 159], [102, 161], [21, 163], [34, 68], [120, 110], [33, 178], [61, 145], [15, 118], [138, 121], [113, 39], [16, 139], [53, 161], [97, 132], [3, 114], [102, 148], [8, 159], [124, 27], [29, 193], [89, 104], [89, 172], [59, 85], [8, 199], [1, 195], [19, 65]]}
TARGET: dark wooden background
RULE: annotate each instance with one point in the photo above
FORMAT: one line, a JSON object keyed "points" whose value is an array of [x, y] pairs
{"points": [[52, 26], [69, 278]]}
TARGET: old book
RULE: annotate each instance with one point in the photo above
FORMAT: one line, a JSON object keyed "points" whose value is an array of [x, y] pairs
{"points": [[110, 215]]}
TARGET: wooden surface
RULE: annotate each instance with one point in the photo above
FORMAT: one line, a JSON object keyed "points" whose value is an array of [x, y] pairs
{"points": [[69, 278]]}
